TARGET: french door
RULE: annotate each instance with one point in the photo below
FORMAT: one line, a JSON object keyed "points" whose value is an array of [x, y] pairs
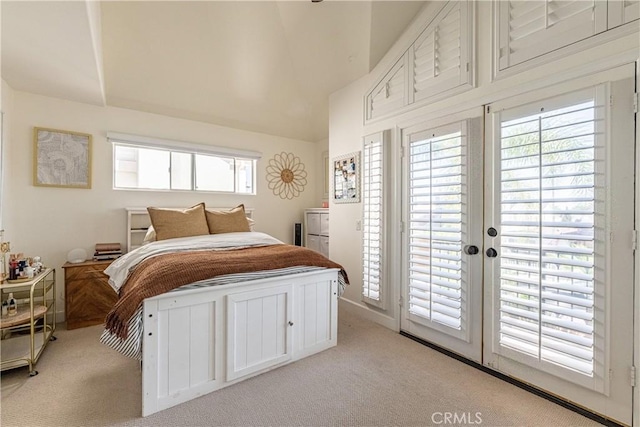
{"points": [[518, 246], [559, 227], [442, 242]]}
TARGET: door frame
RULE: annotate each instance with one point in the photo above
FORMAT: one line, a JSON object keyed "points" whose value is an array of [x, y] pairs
{"points": [[636, 322]]}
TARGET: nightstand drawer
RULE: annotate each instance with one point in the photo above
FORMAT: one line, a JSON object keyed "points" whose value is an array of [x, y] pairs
{"points": [[88, 295], [94, 271]]}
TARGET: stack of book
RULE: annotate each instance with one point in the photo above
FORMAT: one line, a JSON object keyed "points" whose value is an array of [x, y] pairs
{"points": [[107, 251]]}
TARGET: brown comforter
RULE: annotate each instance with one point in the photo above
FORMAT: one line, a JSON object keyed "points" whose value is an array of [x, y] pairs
{"points": [[163, 273]]}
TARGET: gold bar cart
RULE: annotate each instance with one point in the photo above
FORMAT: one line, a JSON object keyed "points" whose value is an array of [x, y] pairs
{"points": [[26, 334]]}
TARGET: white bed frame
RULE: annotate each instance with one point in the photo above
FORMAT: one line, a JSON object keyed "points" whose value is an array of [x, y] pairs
{"points": [[200, 340]]}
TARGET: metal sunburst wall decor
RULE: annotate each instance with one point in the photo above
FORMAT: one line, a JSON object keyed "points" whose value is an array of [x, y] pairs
{"points": [[286, 175]]}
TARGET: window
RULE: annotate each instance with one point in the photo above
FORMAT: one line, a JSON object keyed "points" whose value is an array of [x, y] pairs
{"points": [[436, 65], [144, 163], [373, 202], [390, 95], [529, 30], [440, 56]]}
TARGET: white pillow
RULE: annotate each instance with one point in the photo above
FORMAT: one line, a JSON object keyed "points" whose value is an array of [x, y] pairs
{"points": [[150, 236]]}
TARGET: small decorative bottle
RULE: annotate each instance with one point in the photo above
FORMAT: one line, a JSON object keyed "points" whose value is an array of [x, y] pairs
{"points": [[13, 306], [13, 268], [5, 308]]}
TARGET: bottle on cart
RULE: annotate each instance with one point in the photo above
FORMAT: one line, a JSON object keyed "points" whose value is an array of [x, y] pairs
{"points": [[12, 310], [13, 269], [5, 308]]}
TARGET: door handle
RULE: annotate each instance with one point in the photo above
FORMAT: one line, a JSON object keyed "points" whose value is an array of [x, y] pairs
{"points": [[492, 253], [471, 250]]}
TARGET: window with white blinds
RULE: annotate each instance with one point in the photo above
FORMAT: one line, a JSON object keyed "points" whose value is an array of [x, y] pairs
{"points": [[439, 55], [437, 63], [528, 29], [372, 235], [551, 231], [437, 210], [390, 94]]}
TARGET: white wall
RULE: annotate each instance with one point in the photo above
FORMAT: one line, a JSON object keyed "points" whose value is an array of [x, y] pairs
{"points": [[347, 128], [50, 222], [6, 106], [322, 150]]}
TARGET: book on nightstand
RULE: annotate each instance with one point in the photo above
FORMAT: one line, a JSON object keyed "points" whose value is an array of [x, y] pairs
{"points": [[107, 251]]}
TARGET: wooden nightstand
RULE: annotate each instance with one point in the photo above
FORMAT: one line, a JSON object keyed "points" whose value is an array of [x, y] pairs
{"points": [[88, 295]]}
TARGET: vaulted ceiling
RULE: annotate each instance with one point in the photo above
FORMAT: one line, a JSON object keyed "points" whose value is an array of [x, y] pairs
{"points": [[256, 65]]}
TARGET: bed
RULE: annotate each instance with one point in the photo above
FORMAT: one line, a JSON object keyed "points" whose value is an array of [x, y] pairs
{"points": [[206, 311]]}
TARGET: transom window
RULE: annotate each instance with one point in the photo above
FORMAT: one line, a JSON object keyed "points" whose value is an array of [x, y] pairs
{"points": [[178, 168]]}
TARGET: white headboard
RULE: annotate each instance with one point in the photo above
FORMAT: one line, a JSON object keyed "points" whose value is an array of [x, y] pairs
{"points": [[138, 222]]}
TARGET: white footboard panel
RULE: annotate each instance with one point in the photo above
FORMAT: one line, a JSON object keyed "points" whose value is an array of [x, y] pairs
{"points": [[200, 340]]}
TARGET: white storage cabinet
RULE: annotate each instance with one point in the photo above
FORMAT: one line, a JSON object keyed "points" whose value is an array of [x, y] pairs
{"points": [[316, 230]]}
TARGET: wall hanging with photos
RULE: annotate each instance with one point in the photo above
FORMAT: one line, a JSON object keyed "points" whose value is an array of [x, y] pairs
{"points": [[346, 178]]}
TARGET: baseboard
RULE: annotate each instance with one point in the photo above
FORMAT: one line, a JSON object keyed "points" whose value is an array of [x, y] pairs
{"points": [[369, 314], [60, 318]]}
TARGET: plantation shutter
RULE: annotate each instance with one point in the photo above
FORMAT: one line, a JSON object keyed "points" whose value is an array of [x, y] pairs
{"points": [[623, 11], [372, 235], [437, 213], [439, 56], [552, 230], [528, 29], [390, 94]]}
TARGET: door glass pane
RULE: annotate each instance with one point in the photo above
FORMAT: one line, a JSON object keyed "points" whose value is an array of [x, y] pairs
{"points": [[436, 210], [547, 246]]}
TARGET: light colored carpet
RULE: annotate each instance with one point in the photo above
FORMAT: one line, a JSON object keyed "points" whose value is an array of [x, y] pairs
{"points": [[374, 377]]}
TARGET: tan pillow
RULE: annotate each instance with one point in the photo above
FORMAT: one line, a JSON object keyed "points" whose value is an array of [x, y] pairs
{"points": [[173, 223], [227, 222], [151, 233]]}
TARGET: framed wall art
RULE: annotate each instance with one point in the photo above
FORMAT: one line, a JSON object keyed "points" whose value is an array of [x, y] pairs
{"points": [[61, 158], [346, 178], [286, 175]]}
